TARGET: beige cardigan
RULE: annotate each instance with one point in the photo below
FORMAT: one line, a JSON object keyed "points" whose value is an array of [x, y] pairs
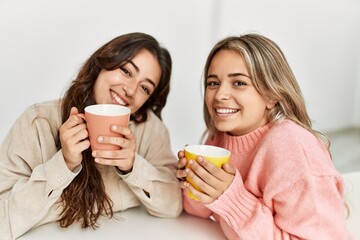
{"points": [[33, 173]]}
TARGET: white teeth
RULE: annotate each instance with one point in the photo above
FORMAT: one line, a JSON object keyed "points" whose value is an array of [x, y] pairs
{"points": [[117, 99], [226, 111]]}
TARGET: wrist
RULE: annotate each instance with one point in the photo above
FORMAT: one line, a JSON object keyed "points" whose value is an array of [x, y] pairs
{"points": [[123, 172]]}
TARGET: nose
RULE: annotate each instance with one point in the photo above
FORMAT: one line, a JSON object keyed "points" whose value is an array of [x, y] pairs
{"points": [[129, 89], [223, 92]]}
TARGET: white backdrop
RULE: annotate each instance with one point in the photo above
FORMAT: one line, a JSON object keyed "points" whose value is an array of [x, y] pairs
{"points": [[43, 43]]}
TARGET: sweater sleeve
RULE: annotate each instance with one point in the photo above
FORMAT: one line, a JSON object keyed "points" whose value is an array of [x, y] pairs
{"points": [[303, 211], [152, 178], [31, 180]]}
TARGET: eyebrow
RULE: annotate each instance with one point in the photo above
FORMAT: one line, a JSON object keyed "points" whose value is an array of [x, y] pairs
{"points": [[229, 75], [138, 70]]}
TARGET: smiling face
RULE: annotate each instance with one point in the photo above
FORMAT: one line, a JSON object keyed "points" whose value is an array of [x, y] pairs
{"points": [[130, 85], [234, 105]]}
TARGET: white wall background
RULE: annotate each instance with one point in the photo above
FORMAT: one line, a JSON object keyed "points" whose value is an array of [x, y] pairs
{"points": [[43, 43]]}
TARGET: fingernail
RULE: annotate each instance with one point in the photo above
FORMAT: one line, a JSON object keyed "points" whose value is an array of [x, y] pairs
{"points": [[191, 162], [100, 139], [94, 154], [113, 127]]}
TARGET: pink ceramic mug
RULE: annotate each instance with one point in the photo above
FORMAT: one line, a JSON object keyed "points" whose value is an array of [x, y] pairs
{"points": [[99, 119]]}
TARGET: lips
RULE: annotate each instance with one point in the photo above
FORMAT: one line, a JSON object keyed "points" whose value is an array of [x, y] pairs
{"points": [[118, 99]]}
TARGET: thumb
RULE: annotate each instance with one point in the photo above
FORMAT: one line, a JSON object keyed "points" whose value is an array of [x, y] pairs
{"points": [[74, 111], [229, 168]]}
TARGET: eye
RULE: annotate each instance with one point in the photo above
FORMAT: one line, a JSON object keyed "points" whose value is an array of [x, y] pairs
{"points": [[239, 83], [212, 84], [125, 71], [146, 89]]}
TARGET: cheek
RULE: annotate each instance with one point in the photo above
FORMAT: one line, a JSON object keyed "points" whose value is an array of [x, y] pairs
{"points": [[258, 108], [96, 91], [139, 102], [208, 99], [209, 106]]}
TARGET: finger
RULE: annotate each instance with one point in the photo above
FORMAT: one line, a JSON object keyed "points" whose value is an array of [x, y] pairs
{"points": [[105, 161], [119, 141], [83, 145], [80, 132], [201, 196], [109, 154], [71, 122], [124, 131], [123, 165], [73, 119], [123, 154], [181, 154], [214, 170], [229, 168], [181, 163], [74, 111], [183, 184], [180, 174], [76, 133], [201, 180], [199, 169]]}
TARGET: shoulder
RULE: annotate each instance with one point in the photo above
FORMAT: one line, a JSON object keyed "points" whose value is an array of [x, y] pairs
{"points": [[289, 134], [287, 129], [46, 108], [45, 112], [37, 125], [294, 147], [50, 110]]}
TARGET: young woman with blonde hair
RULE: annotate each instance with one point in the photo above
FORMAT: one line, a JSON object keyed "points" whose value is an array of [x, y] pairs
{"points": [[281, 182]]}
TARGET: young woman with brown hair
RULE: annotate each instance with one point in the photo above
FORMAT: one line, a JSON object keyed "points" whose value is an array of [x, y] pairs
{"points": [[48, 171]]}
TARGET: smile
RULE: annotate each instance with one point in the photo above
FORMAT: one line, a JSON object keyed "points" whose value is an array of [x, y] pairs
{"points": [[117, 99], [226, 111]]}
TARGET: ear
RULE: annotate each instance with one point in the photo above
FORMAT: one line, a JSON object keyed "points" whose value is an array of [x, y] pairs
{"points": [[270, 104]]}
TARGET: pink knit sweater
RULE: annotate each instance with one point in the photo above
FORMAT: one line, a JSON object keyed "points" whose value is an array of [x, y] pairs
{"points": [[285, 187]]}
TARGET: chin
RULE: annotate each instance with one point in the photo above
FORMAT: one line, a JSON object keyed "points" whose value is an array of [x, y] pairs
{"points": [[223, 127]]}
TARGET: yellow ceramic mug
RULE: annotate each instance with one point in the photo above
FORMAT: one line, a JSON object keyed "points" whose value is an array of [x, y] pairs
{"points": [[216, 155]]}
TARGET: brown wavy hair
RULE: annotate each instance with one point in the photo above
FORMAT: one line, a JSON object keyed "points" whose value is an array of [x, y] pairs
{"points": [[85, 198], [271, 76]]}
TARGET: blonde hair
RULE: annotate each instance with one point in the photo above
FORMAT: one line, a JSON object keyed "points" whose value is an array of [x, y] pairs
{"points": [[271, 76]]}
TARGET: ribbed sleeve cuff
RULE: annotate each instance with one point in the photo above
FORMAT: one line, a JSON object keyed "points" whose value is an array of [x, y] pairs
{"points": [[139, 176], [236, 205]]}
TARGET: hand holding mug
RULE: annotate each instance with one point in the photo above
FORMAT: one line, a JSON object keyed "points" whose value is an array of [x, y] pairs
{"points": [[122, 158], [73, 139], [112, 142], [208, 173]]}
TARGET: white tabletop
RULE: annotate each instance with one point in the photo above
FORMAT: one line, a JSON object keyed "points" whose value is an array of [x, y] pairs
{"points": [[133, 223]]}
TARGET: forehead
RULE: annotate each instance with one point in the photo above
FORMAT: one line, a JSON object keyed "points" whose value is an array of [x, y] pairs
{"points": [[227, 61], [148, 65]]}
